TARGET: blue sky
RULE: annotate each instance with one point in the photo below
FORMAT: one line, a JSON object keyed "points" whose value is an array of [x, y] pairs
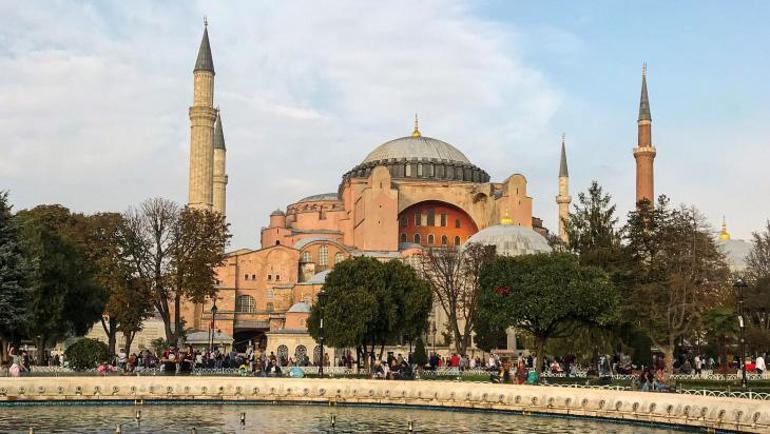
{"points": [[96, 94]]}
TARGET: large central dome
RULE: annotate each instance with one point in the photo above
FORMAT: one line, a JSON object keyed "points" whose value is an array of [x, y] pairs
{"points": [[416, 147], [419, 157]]}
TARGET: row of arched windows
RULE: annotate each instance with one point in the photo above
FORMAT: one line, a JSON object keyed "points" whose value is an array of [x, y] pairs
{"points": [[323, 257], [430, 239]]}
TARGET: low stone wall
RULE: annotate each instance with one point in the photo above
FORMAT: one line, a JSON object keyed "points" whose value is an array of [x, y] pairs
{"points": [[734, 414]]}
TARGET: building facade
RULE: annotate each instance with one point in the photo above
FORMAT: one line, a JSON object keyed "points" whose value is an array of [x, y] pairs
{"points": [[408, 194]]}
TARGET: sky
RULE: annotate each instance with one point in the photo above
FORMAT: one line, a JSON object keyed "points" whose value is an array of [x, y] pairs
{"points": [[94, 97]]}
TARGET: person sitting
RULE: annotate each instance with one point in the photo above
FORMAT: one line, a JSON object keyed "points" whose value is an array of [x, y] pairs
{"points": [[378, 371], [273, 370], [532, 377], [661, 381], [646, 380]]}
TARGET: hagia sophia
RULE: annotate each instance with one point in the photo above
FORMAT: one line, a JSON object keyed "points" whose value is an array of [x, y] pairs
{"points": [[407, 194]]}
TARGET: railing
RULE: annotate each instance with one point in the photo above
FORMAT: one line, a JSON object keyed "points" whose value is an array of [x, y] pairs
{"points": [[343, 371]]}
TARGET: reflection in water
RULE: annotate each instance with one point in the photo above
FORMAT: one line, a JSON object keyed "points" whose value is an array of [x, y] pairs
{"points": [[300, 418]]}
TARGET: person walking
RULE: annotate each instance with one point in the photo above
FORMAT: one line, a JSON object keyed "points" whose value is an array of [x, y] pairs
{"points": [[759, 365]]}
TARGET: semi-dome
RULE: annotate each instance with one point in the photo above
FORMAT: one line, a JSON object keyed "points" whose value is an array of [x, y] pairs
{"points": [[300, 307], [416, 147], [511, 240]]}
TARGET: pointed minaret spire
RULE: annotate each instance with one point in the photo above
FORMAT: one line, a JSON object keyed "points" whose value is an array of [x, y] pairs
{"points": [[416, 131], [219, 137], [204, 62], [563, 199], [220, 168], [645, 152], [203, 116], [644, 100], [563, 171]]}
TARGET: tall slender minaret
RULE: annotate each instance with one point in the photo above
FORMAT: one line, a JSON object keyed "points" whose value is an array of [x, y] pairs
{"points": [[220, 174], [202, 117], [563, 199], [644, 153]]}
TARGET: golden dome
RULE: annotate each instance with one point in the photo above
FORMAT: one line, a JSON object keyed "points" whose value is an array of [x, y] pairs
{"points": [[723, 234]]}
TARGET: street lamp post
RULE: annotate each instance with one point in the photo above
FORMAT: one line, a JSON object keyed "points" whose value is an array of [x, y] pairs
{"points": [[740, 286], [213, 326], [433, 330], [321, 305]]}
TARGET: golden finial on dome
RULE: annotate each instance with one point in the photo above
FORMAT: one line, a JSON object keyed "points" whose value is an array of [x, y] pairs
{"points": [[723, 234], [416, 131], [506, 220]]}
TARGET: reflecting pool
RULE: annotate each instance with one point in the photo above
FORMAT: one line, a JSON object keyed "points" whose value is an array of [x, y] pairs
{"points": [[262, 418]]}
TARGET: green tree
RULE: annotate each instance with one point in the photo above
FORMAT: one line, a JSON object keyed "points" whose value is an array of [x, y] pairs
{"points": [[592, 229], [14, 279], [127, 305], [174, 253], [65, 299], [721, 327], [86, 354], [679, 273], [757, 303], [546, 295], [370, 304]]}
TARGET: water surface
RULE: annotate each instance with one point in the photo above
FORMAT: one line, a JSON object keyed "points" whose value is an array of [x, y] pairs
{"points": [[285, 418]]}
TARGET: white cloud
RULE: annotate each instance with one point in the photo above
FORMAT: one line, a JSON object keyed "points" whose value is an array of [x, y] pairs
{"points": [[95, 98]]}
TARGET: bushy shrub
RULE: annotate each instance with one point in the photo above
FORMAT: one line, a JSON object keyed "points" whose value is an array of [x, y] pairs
{"points": [[420, 357], [86, 354]]}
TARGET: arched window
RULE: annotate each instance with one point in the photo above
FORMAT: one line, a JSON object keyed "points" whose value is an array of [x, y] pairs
{"points": [[417, 238], [339, 257], [444, 240], [403, 238], [457, 223], [282, 353], [457, 241], [245, 304], [306, 257], [323, 256], [300, 353], [430, 239]]}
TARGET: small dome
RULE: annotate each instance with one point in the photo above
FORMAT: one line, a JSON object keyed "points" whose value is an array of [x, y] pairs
{"points": [[300, 307], [511, 240], [277, 212], [319, 278], [416, 147], [317, 197]]}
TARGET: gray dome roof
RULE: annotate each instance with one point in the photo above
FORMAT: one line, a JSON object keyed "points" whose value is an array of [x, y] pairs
{"points": [[416, 148], [277, 212], [322, 196], [511, 240], [300, 307]]}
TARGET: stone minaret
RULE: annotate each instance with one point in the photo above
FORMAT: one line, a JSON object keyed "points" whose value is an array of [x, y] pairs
{"points": [[220, 176], [563, 199], [202, 117], [644, 153]]}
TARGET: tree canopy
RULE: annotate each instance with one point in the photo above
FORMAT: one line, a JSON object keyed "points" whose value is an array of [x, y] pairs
{"points": [[453, 274], [679, 272], [545, 295], [65, 297], [174, 253], [370, 303], [15, 276]]}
